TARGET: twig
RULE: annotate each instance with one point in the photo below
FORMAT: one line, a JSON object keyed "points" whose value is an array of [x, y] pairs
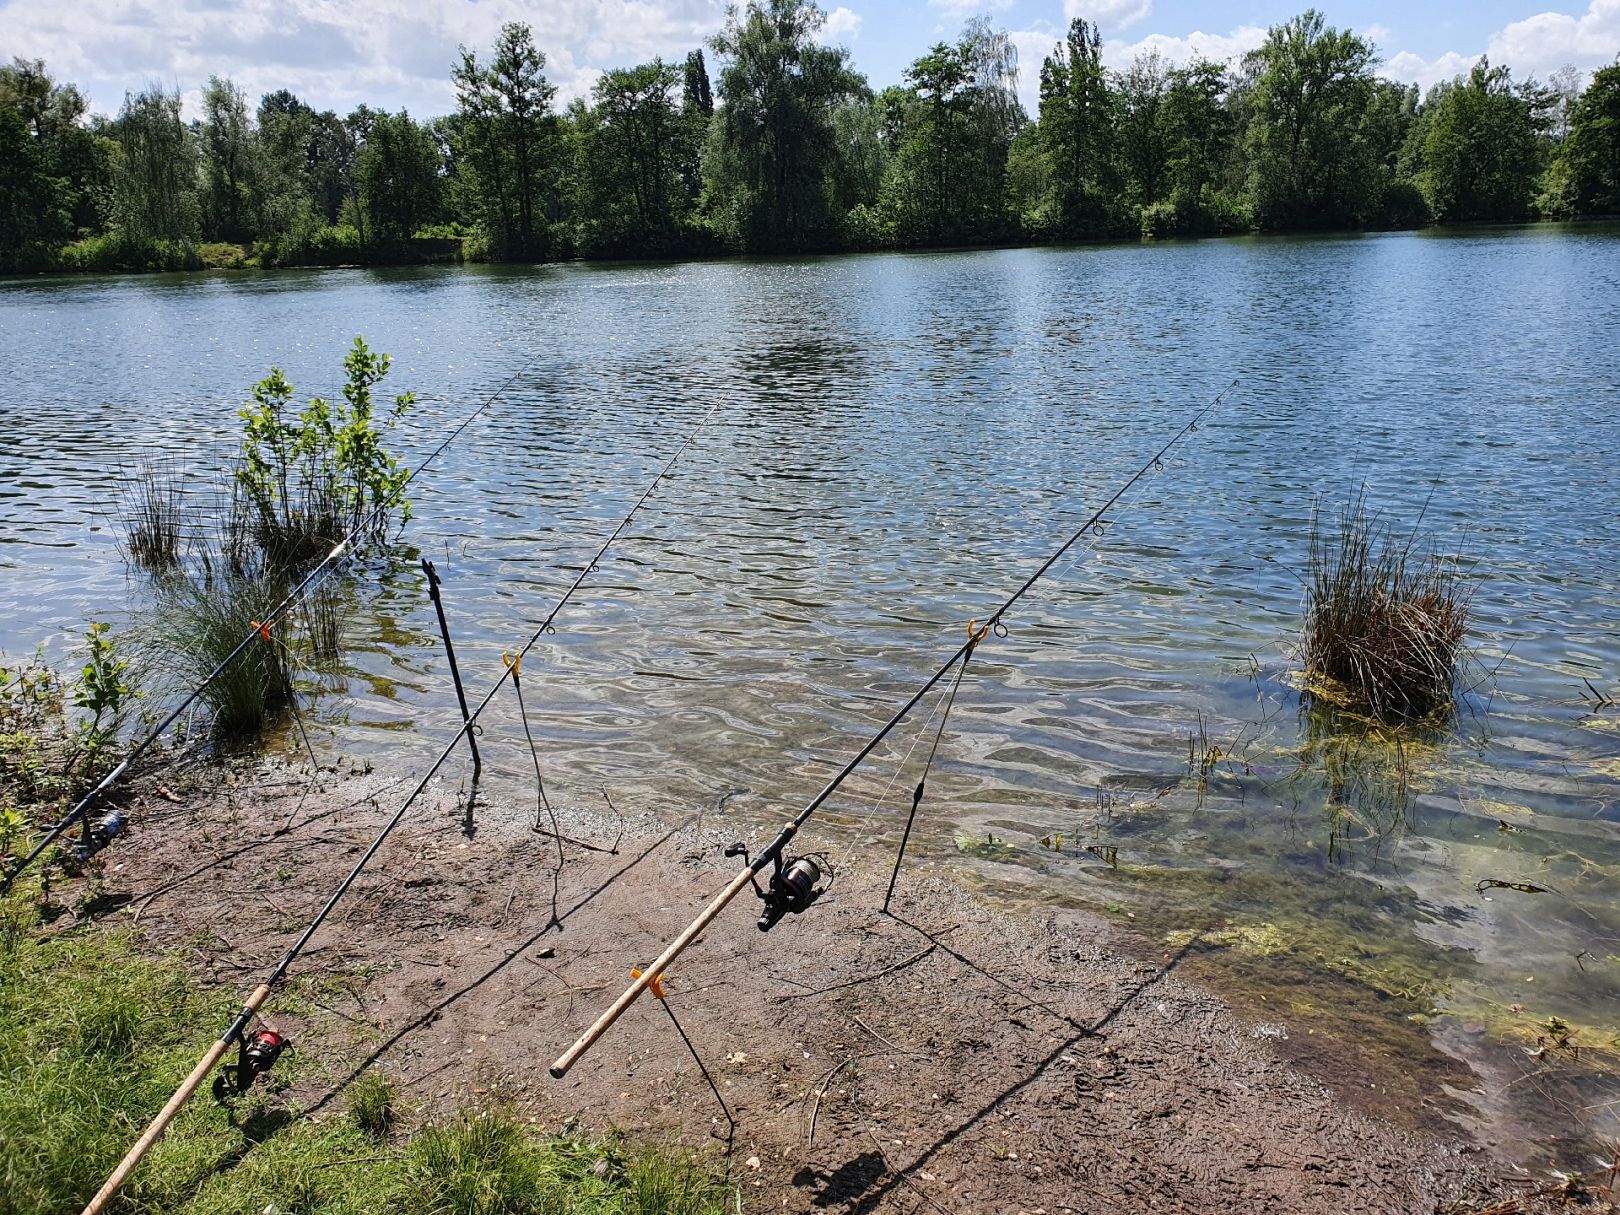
{"points": [[887, 970], [821, 1090], [886, 1042]]}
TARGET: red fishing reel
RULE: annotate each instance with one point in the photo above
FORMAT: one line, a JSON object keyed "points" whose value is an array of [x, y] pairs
{"points": [[256, 1054]]}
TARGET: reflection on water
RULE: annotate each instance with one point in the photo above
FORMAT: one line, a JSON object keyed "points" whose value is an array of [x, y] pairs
{"points": [[899, 441]]}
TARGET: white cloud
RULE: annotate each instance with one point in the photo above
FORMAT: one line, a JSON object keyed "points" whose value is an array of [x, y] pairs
{"points": [[842, 25], [1108, 15], [1536, 46], [1378, 35], [339, 53], [1223, 48]]}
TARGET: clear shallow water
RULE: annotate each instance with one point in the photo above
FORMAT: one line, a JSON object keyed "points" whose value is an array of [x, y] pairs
{"points": [[899, 440]]}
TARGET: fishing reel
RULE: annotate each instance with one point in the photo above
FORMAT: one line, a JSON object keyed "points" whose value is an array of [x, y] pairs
{"points": [[793, 886], [99, 834], [256, 1054]]}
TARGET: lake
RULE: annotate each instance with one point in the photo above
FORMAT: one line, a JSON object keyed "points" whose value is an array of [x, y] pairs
{"points": [[898, 441]]}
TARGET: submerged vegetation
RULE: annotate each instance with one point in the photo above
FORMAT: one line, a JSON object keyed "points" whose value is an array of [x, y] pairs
{"points": [[791, 148], [94, 1036], [1383, 622]]}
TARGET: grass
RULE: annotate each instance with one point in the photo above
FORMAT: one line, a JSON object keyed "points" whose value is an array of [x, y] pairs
{"points": [[1384, 623], [200, 620], [152, 511], [94, 1036]]}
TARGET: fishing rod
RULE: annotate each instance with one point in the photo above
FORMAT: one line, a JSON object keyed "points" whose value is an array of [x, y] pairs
{"points": [[792, 885], [267, 1042], [260, 630]]}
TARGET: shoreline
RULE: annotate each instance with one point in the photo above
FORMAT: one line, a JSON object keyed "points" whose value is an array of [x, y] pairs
{"points": [[242, 262], [951, 1055]]}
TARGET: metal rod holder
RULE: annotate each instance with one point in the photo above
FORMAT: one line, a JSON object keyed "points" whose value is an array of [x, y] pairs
{"points": [[455, 671]]}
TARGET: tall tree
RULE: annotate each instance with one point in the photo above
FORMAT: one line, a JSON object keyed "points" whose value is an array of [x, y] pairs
{"points": [[1586, 168], [1143, 129], [637, 148], [510, 138], [1310, 86], [1478, 146], [1078, 129], [155, 174], [946, 180], [772, 154], [231, 171], [397, 177]]}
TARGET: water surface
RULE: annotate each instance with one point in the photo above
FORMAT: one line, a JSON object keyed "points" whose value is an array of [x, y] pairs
{"points": [[898, 441]]}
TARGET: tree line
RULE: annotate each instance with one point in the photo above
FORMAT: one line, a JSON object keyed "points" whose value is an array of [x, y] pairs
{"points": [[788, 148]]}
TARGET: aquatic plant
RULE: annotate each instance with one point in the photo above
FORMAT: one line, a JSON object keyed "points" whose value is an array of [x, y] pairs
{"points": [[312, 478], [198, 621], [1382, 622], [151, 513]]}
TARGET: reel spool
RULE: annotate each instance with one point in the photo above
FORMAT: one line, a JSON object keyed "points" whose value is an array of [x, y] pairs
{"points": [[256, 1054], [793, 886]]}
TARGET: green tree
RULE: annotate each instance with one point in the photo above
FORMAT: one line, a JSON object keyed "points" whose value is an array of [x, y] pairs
{"points": [[155, 169], [639, 141], [1586, 169], [1477, 147], [1144, 128], [1308, 161], [396, 176], [1199, 131], [510, 141], [953, 131], [771, 157], [230, 159], [60, 147], [697, 113], [1077, 122]]}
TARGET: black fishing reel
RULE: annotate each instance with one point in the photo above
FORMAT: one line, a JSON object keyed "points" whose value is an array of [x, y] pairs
{"points": [[256, 1054], [793, 886]]}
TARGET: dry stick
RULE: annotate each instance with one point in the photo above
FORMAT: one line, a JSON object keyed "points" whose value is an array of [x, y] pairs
{"points": [[771, 851], [153, 1132], [815, 1105], [887, 970]]}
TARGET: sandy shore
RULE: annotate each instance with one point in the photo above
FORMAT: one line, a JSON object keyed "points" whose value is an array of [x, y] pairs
{"points": [[947, 1057]]}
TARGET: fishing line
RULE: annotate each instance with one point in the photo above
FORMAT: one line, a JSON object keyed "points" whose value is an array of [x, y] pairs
{"points": [[788, 890], [250, 1008], [327, 565]]}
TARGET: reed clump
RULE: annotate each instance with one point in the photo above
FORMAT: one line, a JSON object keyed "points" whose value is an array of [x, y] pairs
{"points": [[153, 508], [1383, 622]]}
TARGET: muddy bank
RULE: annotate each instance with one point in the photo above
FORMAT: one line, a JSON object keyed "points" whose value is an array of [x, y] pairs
{"points": [[945, 1057]]}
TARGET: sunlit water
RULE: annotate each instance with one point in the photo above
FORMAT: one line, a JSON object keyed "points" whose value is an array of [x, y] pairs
{"points": [[898, 440]]}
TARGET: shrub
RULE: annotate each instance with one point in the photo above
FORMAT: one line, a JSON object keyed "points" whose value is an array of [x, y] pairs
{"points": [[1382, 622], [311, 479]]}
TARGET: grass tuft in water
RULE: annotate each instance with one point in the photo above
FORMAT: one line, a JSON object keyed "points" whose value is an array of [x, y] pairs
{"points": [[152, 514], [1383, 622], [196, 626]]}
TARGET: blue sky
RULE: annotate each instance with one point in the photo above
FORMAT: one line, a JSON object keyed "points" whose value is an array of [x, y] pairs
{"points": [[397, 53]]}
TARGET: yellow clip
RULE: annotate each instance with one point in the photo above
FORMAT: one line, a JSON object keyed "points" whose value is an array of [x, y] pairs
{"points": [[514, 665], [656, 986], [975, 637]]}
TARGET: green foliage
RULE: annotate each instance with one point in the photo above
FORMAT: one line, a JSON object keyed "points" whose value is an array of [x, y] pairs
{"points": [[312, 477], [1477, 143], [100, 689], [1309, 161], [371, 1104], [769, 161], [1586, 170], [798, 155], [952, 132], [507, 142], [397, 175]]}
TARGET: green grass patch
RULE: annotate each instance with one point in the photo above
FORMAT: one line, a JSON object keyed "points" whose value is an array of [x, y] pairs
{"points": [[94, 1037]]}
